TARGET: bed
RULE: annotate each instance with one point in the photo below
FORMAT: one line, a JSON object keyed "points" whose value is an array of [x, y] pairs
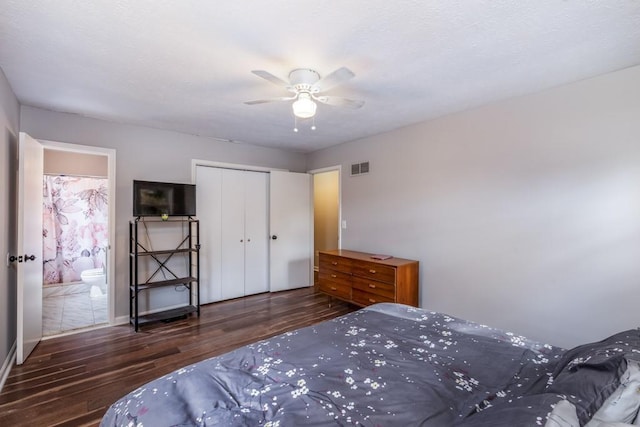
{"points": [[395, 365]]}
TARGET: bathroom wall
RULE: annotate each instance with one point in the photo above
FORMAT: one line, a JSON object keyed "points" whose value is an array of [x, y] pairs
{"points": [[67, 163]]}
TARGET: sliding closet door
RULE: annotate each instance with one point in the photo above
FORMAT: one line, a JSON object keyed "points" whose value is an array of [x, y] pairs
{"points": [[233, 212], [256, 249], [208, 202], [233, 235]]}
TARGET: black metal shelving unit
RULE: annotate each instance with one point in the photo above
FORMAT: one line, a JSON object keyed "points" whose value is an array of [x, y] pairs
{"points": [[156, 262]]}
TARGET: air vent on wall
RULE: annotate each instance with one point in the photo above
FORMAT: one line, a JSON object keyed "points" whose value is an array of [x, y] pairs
{"points": [[359, 168]]}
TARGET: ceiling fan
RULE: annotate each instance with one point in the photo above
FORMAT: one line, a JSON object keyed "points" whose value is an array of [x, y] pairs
{"points": [[306, 87]]}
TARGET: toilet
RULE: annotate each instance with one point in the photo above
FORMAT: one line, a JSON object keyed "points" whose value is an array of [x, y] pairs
{"points": [[96, 278]]}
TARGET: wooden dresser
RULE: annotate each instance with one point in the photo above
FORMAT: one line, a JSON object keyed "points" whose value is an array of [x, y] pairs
{"points": [[357, 278]]}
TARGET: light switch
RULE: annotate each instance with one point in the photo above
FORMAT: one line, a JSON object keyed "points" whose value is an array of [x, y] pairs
{"points": [[344, 225]]}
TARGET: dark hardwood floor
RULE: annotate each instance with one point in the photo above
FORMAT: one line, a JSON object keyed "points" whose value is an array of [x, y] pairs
{"points": [[72, 380]]}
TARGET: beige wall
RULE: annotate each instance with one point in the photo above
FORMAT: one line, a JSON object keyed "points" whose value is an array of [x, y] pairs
{"points": [[58, 162], [524, 214], [326, 200]]}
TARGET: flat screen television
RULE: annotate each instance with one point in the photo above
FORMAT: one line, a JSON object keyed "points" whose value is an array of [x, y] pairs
{"points": [[163, 198]]}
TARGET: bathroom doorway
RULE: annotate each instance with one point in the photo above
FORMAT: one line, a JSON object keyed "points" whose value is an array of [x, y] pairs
{"points": [[326, 212], [76, 239]]}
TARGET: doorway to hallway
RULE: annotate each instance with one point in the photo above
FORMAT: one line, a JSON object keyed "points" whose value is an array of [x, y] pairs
{"points": [[326, 211]]}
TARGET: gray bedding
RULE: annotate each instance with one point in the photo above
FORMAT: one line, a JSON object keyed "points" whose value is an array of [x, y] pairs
{"points": [[385, 365]]}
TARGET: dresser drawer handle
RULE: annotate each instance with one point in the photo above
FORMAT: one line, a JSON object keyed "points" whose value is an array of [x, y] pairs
{"points": [[372, 271], [371, 300], [372, 286], [333, 288], [334, 263], [334, 276]]}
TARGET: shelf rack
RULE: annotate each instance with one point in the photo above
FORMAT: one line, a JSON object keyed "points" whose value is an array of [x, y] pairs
{"points": [[157, 262]]}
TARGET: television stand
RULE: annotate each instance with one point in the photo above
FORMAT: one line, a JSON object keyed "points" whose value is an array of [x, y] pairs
{"points": [[150, 268]]}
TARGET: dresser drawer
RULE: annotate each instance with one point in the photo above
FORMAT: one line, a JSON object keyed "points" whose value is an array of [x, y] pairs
{"points": [[371, 270], [367, 298], [335, 277], [382, 289], [336, 289], [332, 262]]}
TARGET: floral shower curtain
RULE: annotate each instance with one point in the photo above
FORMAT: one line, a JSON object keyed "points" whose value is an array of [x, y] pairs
{"points": [[74, 226]]}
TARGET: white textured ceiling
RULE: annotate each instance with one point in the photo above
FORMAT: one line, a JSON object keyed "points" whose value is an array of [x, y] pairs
{"points": [[185, 65]]}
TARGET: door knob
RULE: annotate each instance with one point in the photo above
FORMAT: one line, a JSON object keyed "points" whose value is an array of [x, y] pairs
{"points": [[274, 237], [20, 258]]}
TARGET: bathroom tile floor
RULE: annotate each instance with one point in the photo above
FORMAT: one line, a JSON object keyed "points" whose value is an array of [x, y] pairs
{"points": [[71, 306]]}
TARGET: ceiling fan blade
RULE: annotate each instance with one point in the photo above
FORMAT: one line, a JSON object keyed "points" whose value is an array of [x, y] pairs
{"points": [[273, 79], [337, 101], [335, 78], [264, 101]]}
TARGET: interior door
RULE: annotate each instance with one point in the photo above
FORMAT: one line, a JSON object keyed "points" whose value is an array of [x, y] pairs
{"points": [[290, 226], [29, 246]]}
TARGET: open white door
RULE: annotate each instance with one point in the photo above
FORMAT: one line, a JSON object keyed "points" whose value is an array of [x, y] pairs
{"points": [[29, 255], [291, 229]]}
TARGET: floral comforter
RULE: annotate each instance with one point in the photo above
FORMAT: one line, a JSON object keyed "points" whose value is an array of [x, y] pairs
{"points": [[385, 365]]}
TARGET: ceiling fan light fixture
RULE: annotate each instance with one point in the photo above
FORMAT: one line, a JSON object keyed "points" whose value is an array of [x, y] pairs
{"points": [[304, 107]]}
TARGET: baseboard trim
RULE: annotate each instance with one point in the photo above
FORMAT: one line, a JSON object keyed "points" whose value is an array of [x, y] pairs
{"points": [[7, 365], [121, 320]]}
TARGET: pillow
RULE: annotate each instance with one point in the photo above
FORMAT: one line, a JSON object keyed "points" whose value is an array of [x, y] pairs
{"points": [[588, 374], [544, 409], [563, 415], [622, 406]]}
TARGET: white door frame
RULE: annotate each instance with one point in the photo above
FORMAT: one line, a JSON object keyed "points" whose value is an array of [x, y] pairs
{"points": [[111, 177], [339, 169]]}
